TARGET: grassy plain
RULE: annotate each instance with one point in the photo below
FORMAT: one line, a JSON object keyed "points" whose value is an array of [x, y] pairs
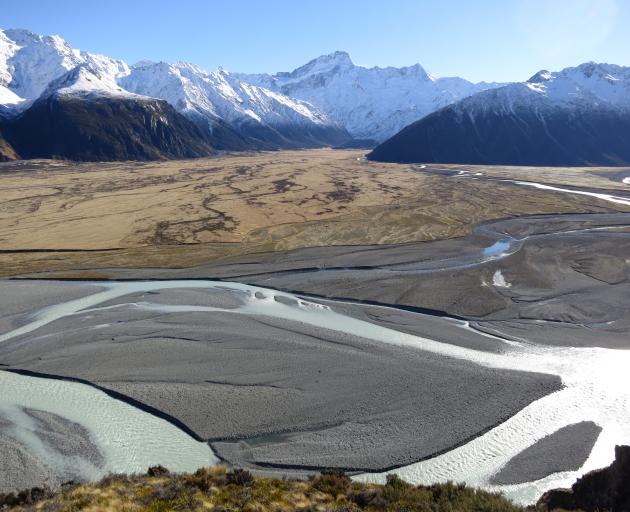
{"points": [[61, 215]]}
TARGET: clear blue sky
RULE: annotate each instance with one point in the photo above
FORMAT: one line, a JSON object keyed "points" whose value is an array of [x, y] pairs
{"points": [[498, 40]]}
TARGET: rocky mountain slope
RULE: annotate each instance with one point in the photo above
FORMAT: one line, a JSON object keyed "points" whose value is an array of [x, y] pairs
{"points": [[264, 119], [600, 490], [6, 151], [85, 115], [578, 116]]}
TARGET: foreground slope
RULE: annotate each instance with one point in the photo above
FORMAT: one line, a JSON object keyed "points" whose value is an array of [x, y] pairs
{"points": [[217, 489], [578, 116]]}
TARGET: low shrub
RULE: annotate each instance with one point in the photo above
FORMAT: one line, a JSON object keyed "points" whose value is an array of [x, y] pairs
{"points": [[332, 481], [240, 477], [368, 498], [216, 490], [158, 471], [26, 497], [395, 489]]}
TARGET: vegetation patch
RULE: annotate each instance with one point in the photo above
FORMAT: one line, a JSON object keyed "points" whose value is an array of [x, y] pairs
{"points": [[217, 489]]}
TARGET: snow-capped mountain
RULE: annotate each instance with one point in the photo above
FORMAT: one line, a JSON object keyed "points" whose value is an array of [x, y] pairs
{"points": [[231, 114], [30, 62], [85, 115], [577, 116], [371, 103], [72, 107], [267, 118], [589, 85], [85, 80]]}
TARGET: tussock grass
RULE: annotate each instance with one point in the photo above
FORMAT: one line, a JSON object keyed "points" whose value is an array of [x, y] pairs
{"points": [[219, 490]]}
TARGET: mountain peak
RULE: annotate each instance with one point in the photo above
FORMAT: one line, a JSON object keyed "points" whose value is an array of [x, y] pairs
{"points": [[600, 70], [338, 57], [144, 63], [20, 34], [24, 37], [323, 64], [542, 76], [85, 79]]}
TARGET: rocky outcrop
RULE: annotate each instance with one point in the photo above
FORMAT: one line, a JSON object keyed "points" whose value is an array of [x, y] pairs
{"points": [[601, 490], [6, 151]]}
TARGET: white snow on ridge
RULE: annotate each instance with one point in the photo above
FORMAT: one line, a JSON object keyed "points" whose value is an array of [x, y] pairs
{"points": [[372, 103], [30, 62], [86, 80], [8, 48], [605, 84], [8, 97], [32, 65], [589, 86], [217, 94]]}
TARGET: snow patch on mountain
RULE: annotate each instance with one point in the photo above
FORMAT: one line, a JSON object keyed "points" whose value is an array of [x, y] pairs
{"points": [[587, 86], [217, 94], [8, 97], [86, 80]]}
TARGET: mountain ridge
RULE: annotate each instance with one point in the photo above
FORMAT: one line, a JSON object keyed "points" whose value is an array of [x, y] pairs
{"points": [[577, 116], [372, 103], [227, 113], [236, 110]]}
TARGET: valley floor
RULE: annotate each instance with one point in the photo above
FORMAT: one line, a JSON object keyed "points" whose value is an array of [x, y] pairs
{"points": [[58, 216], [436, 322]]}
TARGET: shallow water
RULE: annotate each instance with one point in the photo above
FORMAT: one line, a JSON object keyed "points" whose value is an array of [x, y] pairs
{"points": [[129, 440], [599, 195]]}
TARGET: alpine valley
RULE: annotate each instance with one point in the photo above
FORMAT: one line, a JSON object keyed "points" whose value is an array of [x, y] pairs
{"points": [[332, 289], [60, 102]]}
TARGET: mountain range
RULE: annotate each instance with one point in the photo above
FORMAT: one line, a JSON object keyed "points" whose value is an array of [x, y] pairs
{"points": [[63, 93], [371, 103], [60, 102], [577, 116]]}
